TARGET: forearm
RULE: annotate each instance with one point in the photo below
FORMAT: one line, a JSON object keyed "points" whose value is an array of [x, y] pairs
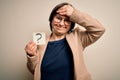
{"points": [[85, 20], [94, 29], [32, 62]]}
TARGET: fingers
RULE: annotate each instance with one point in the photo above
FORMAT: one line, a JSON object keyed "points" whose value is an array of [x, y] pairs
{"points": [[31, 45], [62, 10], [31, 48], [66, 10]]}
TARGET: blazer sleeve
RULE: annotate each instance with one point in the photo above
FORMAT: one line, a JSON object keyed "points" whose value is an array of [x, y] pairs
{"points": [[94, 29], [32, 62]]}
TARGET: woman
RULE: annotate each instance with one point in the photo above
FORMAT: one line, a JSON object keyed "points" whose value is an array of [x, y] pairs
{"points": [[61, 58]]}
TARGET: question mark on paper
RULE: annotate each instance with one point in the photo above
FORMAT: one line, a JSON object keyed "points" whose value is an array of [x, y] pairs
{"points": [[39, 36]]}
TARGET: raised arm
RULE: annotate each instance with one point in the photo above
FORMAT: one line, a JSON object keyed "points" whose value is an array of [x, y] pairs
{"points": [[94, 29]]}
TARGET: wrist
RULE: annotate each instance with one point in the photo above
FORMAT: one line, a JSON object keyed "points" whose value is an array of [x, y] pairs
{"points": [[31, 55]]}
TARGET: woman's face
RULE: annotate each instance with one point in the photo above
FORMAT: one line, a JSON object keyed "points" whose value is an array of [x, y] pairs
{"points": [[60, 24]]}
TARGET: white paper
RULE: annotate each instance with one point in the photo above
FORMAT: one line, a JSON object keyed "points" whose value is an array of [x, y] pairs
{"points": [[39, 38]]}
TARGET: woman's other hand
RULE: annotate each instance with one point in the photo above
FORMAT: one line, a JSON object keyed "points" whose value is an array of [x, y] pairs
{"points": [[31, 49]]}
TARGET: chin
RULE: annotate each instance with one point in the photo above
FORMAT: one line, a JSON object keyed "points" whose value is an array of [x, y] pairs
{"points": [[61, 33]]}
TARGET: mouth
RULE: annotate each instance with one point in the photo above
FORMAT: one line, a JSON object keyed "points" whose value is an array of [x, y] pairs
{"points": [[60, 28]]}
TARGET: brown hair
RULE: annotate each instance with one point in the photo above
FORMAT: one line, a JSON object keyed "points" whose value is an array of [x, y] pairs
{"points": [[54, 12]]}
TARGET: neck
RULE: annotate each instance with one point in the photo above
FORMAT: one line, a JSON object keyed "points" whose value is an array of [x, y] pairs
{"points": [[55, 37]]}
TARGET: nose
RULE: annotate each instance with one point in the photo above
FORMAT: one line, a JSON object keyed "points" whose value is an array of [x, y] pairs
{"points": [[62, 22]]}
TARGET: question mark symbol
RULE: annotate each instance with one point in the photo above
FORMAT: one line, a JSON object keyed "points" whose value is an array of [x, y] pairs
{"points": [[39, 36]]}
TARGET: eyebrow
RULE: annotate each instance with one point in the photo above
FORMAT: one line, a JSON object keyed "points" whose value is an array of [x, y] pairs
{"points": [[65, 17]]}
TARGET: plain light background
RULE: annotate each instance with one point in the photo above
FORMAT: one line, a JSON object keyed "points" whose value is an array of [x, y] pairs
{"points": [[20, 18]]}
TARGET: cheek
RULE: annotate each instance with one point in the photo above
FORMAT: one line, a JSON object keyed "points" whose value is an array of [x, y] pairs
{"points": [[53, 23]]}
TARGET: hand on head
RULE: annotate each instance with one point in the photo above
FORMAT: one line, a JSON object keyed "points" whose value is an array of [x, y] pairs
{"points": [[66, 10]]}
